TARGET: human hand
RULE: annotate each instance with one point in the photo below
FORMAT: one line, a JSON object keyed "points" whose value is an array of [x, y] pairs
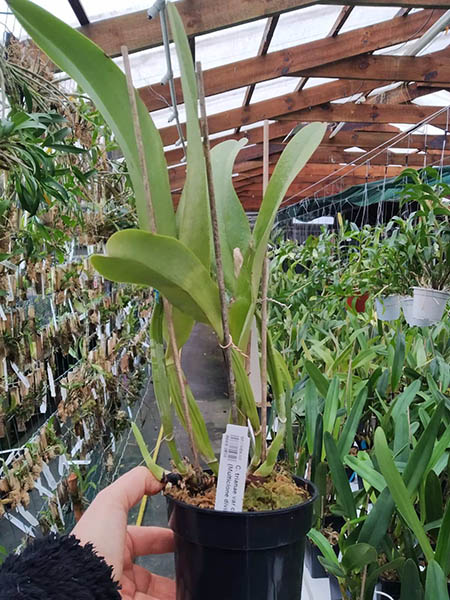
{"points": [[105, 525]]}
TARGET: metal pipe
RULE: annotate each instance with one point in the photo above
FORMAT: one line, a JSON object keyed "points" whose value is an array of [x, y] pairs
{"points": [[160, 7]]}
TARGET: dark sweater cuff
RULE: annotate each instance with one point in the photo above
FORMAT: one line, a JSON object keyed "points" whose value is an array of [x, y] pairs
{"points": [[57, 568]]}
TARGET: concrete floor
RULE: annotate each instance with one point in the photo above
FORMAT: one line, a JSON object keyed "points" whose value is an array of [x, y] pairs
{"points": [[204, 368]]}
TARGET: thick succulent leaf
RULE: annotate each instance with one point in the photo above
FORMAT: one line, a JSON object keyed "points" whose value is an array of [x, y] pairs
{"points": [[141, 257], [234, 229], [193, 215], [294, 157], [105, 83]]}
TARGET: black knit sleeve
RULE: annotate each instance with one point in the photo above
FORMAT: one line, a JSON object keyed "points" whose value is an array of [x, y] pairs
{"points": [[57, 568]]}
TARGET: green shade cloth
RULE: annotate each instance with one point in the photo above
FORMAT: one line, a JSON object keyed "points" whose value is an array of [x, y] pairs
{"points": [[357, 196]]}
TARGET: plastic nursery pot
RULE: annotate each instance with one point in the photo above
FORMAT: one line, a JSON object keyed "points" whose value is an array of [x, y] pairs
{"points": [[407, 306], [429, 303], [243, 556], [388, 307], [312, 552], [392, 588], [360, 303], [335, 590]]}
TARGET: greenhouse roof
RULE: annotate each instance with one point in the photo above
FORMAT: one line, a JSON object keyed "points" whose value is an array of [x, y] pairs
{"points": [[357, 66]]}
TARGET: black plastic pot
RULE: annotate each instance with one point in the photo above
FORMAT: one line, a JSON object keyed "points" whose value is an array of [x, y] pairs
{"points": [[392, 588], [335, 590], [312, 563], [240, 556], [312, 553]]}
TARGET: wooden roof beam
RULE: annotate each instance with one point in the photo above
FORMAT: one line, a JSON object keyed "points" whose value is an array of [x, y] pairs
{"points": [[352, 112], [135, 31], [337, 26], [269, 30], [433, 68], [269, 109], [305, 56]]}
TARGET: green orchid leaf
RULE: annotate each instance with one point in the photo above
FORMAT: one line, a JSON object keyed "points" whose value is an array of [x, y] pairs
{"points": [[155, 469], [321, 382], [436, 583], [343, 490], [193, 214], [399, 492], [294, 157], [366, 471], [398, 362], [376, 525], [161, 384], [201, 436], [234, 229], [141, 257], [324, 546], [356, 557], [348, 433], [106, 85], [442, 554], [420, 457], [411, 588]]}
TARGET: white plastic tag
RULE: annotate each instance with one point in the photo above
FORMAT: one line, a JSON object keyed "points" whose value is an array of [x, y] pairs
{"points": [[27, 516], [62, 464], [233, 469], [43, 406], [49, 477], [2, 313], [51, 381], [5, 374], [87, 435], [52, 306], [20, 375], [41, 489], [15, 521], [77, 447]]}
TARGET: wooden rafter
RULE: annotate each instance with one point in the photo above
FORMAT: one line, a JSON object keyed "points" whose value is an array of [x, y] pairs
{"points": [[367, 113], [269, 30], [305, 56], [268, 109], [337, 26], [432, 69], [135, 31]]}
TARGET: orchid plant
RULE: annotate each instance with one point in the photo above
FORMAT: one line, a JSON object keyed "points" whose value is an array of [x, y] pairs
{"points": [[175, 257]]}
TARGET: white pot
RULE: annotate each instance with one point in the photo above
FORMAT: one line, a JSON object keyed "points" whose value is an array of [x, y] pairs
{"points": [[406, 302], [388, 308], [429, 304]]}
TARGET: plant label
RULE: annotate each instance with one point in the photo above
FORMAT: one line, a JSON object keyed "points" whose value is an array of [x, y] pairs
{"points": [[49, 476], [51, 381], [233, 469], [20, 375]]}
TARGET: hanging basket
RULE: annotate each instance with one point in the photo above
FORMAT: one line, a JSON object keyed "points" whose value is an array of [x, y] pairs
{"points": [[429, 303], [388, 307], [406, 302]]}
